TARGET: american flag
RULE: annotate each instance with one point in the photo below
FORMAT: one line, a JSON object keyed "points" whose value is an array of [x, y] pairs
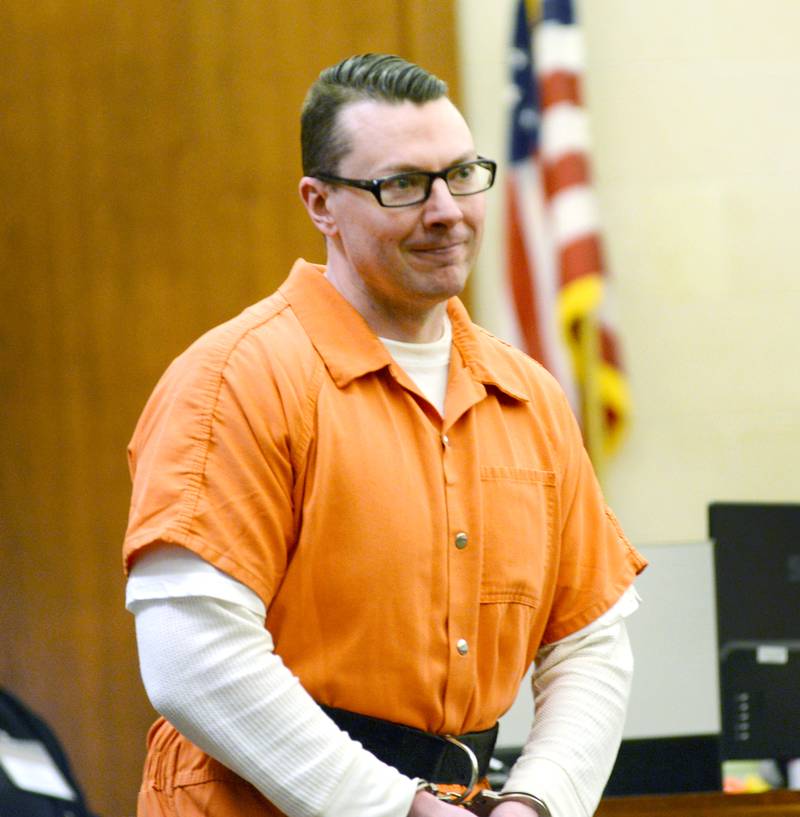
{"points": [[557, 279]]}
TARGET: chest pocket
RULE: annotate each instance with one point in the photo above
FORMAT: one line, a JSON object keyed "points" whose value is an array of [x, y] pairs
{"points": [[519, 512]]}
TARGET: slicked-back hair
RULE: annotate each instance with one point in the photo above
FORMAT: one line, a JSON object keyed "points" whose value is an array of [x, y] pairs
{"points": [[379, 77]]}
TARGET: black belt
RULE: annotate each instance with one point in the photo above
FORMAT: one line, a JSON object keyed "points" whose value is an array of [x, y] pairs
{"points": [[416, 753]]}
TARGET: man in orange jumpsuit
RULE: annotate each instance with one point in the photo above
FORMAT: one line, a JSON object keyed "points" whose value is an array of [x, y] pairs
{"points": [[357, 518]]}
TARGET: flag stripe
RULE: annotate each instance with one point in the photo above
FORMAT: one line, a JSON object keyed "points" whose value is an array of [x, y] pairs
{"points": [[580, 258], [521, 280], [564, 130], [574, 214], [559, 87], [569, 170]]}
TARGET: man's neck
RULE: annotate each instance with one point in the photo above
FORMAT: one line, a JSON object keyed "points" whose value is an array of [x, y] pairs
{"points": [[415, 329], [419, 325]]}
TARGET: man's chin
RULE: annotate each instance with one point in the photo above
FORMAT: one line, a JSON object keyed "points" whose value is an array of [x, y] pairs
{"points": [[445, 281]]}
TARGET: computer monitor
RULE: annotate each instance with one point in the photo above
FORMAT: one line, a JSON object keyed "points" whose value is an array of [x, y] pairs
{"points": [[757, 572]]}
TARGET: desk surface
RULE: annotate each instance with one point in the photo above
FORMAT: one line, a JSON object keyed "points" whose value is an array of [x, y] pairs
{"points": [[769, 804]]}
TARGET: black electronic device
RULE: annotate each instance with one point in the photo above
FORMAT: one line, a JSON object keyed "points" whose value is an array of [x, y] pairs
{"points": [[760, 700], [757, 572]]}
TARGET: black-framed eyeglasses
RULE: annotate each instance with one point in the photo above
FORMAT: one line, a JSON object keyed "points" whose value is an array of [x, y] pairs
{"points": [[404, 189]]}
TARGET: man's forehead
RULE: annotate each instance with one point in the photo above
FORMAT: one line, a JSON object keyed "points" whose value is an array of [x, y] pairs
{"points": [[400, 135]]}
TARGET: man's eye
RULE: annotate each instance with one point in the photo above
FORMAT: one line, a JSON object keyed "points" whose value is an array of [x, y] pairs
{"points": [[402, 183]]}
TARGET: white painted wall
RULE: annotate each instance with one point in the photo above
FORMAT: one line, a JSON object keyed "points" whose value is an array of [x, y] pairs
{"points": [[695, 114]]}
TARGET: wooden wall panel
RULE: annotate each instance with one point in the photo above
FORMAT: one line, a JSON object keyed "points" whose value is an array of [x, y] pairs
{"points": [[148, 168]]}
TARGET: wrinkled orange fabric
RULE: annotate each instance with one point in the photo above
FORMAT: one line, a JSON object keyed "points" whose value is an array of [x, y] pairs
{"points": [[181, 780], [287, 448]]}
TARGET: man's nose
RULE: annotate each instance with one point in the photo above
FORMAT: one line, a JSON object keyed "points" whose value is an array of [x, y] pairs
{"points": [[441, 206]]}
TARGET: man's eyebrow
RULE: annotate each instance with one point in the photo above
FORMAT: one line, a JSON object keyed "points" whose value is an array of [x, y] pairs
{"points": [[392, 170]]}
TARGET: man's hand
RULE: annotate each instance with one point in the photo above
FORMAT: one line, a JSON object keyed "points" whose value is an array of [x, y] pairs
{"points": [[426, 804], [513, 809]]}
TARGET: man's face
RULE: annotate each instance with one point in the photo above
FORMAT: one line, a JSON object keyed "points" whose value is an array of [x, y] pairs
{"points": [[404, 260]]}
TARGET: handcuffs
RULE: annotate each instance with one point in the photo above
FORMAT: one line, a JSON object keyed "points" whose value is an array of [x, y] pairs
{"points": [[485, 801]]}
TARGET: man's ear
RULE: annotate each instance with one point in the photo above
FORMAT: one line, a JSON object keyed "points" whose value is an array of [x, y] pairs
{"points": [[314, 194]]}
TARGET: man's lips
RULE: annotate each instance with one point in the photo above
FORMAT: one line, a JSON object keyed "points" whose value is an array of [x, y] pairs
{"points": [[439, 249]]}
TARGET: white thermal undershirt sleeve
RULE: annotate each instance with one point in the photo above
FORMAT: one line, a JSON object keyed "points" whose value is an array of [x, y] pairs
{"points": [[208, 666], [581, 687], [171, 572]]}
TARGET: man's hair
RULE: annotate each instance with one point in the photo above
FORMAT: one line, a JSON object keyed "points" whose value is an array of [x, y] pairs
{"points": [[379, 77]]}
